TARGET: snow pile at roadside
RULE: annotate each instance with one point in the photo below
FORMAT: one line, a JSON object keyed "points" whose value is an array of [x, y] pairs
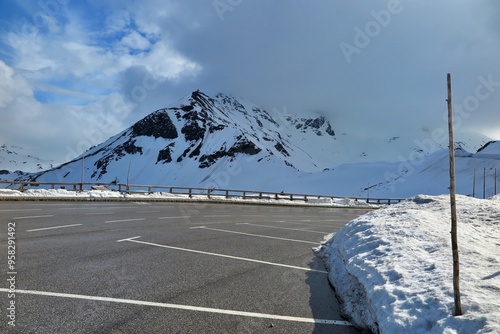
{"points": [[392, 268], [115, 195]]}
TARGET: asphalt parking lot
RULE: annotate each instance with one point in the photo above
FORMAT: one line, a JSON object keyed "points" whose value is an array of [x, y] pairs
{"points": [[111, 267]]}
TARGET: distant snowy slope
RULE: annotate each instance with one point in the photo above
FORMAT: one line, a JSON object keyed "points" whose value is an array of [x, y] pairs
{"points": [[491, 150], [427, 175], [14, 158]]}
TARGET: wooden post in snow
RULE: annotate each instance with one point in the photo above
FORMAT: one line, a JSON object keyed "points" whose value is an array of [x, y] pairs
{"points": [[474, 184], [454, 239]]}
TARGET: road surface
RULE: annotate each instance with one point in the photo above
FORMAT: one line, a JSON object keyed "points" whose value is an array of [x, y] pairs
{"points": [[113, 267]]}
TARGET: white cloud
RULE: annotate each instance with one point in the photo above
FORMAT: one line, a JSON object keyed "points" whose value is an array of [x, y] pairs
{"points": [[135, 41], [291, 59]]}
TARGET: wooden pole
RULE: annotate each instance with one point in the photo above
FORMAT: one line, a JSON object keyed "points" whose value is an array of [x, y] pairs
{"points": [[474, 184], [83, 170], [454, 239], [484, 183]]}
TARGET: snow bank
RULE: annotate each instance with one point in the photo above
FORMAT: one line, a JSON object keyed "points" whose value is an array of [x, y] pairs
{"points": [[115, 195], [392, 268]]}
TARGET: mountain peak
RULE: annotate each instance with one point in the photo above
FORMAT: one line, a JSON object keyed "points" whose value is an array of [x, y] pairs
{"points": [[205, 136]]}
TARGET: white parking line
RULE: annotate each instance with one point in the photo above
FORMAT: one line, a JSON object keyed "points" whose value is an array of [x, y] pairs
{"points": [[183, 307], [51, 228], [253, 235], [33, 217], [125, 220], [133, 239], [283, 228], [302, 224]]}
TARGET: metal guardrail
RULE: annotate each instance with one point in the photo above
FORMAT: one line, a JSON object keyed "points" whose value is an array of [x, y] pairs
{"points": [[190, 191]]}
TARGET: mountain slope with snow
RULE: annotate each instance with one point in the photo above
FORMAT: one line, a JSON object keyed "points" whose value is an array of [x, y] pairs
{"points": [[203, 138], [14, 163], [224, 142], [475, 176]]}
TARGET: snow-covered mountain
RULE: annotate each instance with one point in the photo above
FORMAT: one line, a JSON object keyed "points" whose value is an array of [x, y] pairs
{"points": [[14, 162], [203, 141], [224, 142]]}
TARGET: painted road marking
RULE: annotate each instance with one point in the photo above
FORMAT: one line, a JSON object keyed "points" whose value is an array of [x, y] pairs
{"points": [[255, 215], [33, 217], [222, 255], [283, 228], [125, 220], [254, 235], [99, 213], [183, 307], [175, 217], [12, 210], [302, 224], [216, 216], [51, 228]]}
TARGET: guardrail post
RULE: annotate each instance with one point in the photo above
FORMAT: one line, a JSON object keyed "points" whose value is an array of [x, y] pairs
{"points": [[260, 195], [170, 190], [149, 190], [227, 193], [275, 196], [291, 197], [305, 198], [244, 195], [21, 188], [190, 193], [208, 193]]}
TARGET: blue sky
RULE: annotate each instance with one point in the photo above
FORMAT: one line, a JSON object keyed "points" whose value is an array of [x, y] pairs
{"points": [[75, 72]]}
